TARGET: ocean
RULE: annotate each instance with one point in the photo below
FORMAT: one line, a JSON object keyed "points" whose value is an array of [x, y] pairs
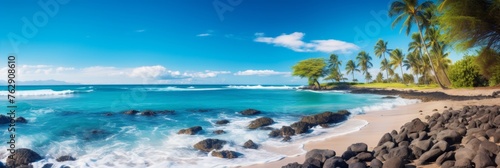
{"points": [[63, 120]]}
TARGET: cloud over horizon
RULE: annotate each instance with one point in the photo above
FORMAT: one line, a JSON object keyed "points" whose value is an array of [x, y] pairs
{"points": [[294, 41], [260, 73]]}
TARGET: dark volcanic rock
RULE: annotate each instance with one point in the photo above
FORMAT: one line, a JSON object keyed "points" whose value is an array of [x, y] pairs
{"points": [[190, 131], [286, 139], [375, 163], [250, 112], [464, 154], [222, 122], [429, 156], [148, 113], [364, 156], [312, 163], [274, 133], [326, 118], [450, 136], [389, 97], [47, 165], [208, 145], [21, 120], [292, 165], [348, 154], [358, 147], [482, 159], [300, 127], [250, 145], [260, 122], [335, 162], [65, 158], [358, 165], [131, 112], [448, 164], [219, 132], [401, 152], [23, 157], [4, 119], [287, 131], [325, 153], [386, 138], [395, 162], [445, 157], [225, 154], [415, 126]]}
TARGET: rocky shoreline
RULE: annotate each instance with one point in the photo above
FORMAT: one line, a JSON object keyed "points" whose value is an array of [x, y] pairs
{"points": [[466, 137], [424, 96]]}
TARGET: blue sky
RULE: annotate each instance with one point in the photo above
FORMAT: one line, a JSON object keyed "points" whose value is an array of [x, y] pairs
{"points": [[188, 41]]}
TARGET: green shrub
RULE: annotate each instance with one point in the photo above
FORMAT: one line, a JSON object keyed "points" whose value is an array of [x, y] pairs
{"points": [[495, 76], [465, 73]]}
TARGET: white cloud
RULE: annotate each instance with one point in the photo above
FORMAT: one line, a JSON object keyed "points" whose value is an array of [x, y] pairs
{"points": [[140, 30], [260, 73], [206, 74], [204, 35], [294, 41]]}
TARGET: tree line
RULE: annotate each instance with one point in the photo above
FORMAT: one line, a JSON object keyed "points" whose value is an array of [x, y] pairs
{"points": [[464, 25]]}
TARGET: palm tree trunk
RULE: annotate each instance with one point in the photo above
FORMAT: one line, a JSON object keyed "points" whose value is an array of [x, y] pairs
{"points": [[428, 55], [319, 85]]}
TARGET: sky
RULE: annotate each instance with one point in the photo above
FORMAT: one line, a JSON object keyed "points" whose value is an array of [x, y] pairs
{"points": [[188, 41]]}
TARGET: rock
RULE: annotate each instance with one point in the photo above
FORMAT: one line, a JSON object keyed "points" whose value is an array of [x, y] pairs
{"points": [[435, 110], [287, 131], [348, 154], [324, 126], [473, 144], [312, 163], [448, 164], [248, 112], [401, 152], [208, 145], [429, 156], [442, 145], [250, 145], [445, 106], [449, 136], [190, 131], [463, 163], [131, 112], [22, 157], [225, 154], [491, 147], [260, 122], [286, 139], [445, 157], [274, 133], [415, 126], [218, 132], [292, 165], [222, 122], [375, 163], [357, 165], [326, 118], [300, 127], [482, 159], [335, 162], [148, 113], [388, 97], [325, 153], [422, 144], [464, 154], [364, 156], [65, 158], [404, 143], [395, 162], [358, 147], [47, 165], [21, 120], [386, 138]]}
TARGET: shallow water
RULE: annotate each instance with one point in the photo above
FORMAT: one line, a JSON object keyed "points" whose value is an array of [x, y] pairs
{"points": [[70, 120]]}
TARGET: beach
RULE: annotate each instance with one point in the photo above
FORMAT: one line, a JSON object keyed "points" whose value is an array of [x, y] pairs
{"points": [[384, 121]]}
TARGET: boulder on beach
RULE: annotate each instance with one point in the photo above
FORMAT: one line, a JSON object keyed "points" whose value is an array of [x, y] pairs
{"points": [[23, 157], [65, 158], [292, 165], [250, 145], [335, 162], [190, 131], [248, 112], [389, 97], [208, 145], [274, 133], [218, 132], [395, 162], [131, 112], [287, 131], [326, 118], [415, 126], [324, 153], [286, 139], [260, 122], [227, 154], [358, 147], [312, 163], [222, 122], [300, 127]]}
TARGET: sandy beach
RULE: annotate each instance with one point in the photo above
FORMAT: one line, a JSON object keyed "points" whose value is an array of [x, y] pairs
{"points": [[381, 122]]}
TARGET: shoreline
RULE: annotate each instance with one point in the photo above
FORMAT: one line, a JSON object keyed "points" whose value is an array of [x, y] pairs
{"points": [[378, 125]]}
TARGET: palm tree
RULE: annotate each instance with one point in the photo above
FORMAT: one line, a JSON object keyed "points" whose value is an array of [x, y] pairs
{"points": [[364, 61], [397, 58], [413, 12], [351, 67], [368, 77], [334, 64], [380, 50], [412, 62], [385, 66]]}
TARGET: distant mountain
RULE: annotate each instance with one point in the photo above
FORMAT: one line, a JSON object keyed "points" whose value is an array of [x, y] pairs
{"points": [[40, 82]]}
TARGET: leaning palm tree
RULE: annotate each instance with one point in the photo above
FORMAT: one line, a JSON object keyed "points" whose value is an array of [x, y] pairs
{"points": [[380, 50], [385, 66], [364, 61], [397, 58], [334, 64], [411, 11], [351, 67]]}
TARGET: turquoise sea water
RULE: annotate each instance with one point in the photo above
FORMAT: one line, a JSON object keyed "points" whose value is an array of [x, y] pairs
{"points": [[61, 120]]}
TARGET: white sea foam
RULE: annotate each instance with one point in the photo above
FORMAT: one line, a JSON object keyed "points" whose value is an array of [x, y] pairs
{"points": [[173, 88], [261, 87], [42, 92], [386, 105]]}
